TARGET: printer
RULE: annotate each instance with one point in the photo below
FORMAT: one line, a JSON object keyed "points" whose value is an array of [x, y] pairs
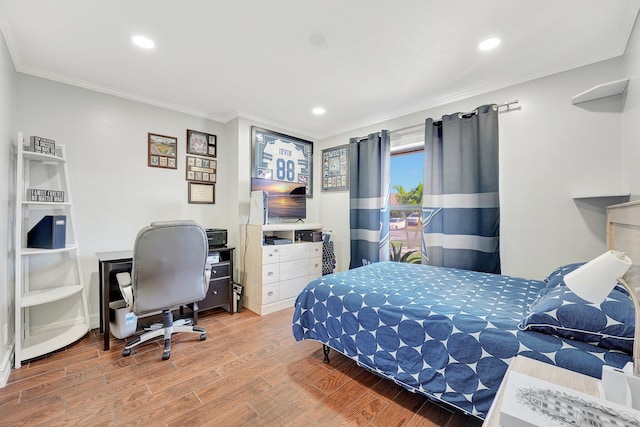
{"points": [[217, 237]]}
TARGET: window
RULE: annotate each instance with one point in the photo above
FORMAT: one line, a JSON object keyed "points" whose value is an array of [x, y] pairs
{"points": [[406, 204]]}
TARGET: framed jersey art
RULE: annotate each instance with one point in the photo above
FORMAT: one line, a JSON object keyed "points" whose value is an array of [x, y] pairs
{"points": [[280, 157]]}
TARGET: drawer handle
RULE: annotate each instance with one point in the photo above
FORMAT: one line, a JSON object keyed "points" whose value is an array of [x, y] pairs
{"points": [[270, 273], [215, 292], [214, 271], [270, 293], [315, 265]]}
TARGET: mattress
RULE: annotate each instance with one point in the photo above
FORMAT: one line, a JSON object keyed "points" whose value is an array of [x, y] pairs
{"points": [[446, 333]]}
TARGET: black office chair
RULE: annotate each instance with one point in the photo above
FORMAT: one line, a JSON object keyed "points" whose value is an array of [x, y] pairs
{"points": [[169, 270]]}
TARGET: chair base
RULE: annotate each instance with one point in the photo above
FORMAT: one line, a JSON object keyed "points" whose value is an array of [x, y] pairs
{"points": [[167, 329]]}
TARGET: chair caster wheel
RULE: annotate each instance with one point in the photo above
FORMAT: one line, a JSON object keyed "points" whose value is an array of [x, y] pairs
{"points": [[203, 337], [166, 356], [126, 352]]}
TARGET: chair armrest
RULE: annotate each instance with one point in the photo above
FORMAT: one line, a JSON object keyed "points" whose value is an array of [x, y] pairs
{"points": [[207, 276], [124, 282]]}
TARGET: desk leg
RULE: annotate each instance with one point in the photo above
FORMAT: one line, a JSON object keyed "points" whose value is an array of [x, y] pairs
{"points": [[104, 306]]}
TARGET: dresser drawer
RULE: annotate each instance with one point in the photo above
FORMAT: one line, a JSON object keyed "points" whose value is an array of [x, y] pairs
{"points": [[291, 269], [270, 273], [315, 268], [217, 295], [220, 269], [270, 254], [292, 287], [294, 251], [270, 293], [315, 250]]}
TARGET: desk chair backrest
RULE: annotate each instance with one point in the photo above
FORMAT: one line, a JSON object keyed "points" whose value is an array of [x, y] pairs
{"points": [[169, 260]]}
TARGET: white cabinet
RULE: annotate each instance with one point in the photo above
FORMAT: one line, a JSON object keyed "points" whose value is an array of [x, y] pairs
{"points": [[50, 296], [274, 275]]}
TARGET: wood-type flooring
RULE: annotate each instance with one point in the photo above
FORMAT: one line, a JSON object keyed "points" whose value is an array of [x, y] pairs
{"points": [[249, 371]]}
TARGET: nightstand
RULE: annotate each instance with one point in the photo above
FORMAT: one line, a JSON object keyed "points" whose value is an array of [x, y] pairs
{"points": [[543, 371]]}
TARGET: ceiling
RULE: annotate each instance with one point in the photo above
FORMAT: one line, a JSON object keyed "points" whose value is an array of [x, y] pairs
{"points": [[256, 59]]}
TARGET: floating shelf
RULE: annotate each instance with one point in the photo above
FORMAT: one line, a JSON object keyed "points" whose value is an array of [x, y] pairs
{"points": [[604, 196], [603, 90], [602, 201]]}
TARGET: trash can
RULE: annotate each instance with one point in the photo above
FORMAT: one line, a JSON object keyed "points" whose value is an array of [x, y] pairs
{"points": [[238, 291], [122, 322]]}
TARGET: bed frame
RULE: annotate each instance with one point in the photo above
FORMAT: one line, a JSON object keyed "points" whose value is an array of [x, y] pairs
{"points": [[623, 229], [623, 234]]}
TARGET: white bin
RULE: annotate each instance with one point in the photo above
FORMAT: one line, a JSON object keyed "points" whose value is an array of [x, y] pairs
{"points": [[122, 322]]}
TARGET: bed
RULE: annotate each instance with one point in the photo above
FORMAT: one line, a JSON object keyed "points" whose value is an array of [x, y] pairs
{"points": [[450, 334]]}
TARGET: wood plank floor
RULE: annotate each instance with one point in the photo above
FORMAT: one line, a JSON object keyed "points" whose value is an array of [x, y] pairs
{"points": [[249, 371]]}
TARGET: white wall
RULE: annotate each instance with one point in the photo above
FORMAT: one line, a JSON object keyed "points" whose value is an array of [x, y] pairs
{"points": [[550, 151], [631, 116], [8, 85], [114, 192]]}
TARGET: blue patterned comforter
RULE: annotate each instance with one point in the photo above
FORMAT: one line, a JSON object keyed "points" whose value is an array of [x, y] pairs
{"points": [[446, 333]]}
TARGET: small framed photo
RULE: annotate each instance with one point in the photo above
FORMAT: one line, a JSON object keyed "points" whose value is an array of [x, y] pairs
{"points": [[201, 170], [201, 143], [162, 151], [335, 168], [202, 193]]}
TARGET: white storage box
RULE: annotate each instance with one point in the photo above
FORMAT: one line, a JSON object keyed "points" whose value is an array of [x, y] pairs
{"points": [[122, 322]]}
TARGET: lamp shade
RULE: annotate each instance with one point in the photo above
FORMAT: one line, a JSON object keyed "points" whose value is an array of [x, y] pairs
{"points": [[594, 280]]}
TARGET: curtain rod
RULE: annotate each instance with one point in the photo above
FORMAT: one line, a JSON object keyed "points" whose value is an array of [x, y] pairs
{"points": [[506, 104]]}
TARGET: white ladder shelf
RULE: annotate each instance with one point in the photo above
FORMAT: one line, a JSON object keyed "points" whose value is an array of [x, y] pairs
{"points": [[50, 299]]}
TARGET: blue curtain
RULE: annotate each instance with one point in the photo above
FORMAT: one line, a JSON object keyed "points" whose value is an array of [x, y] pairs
{"points": [[460, 204], [370, 183]]}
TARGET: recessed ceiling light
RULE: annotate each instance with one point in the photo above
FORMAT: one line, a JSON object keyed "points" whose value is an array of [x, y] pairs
{"points": [[489, 44], [318, 111], [143, 42]]}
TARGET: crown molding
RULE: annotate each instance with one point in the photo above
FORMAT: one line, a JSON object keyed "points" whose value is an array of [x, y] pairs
{"points": [[33, 71]]}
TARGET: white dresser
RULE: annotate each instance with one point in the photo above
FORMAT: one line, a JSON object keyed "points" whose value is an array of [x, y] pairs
{"points": [[274, 275]]}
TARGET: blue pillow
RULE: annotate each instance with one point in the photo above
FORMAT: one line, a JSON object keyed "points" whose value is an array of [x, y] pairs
{"points": [[558, 274], [609, 325], [556, 278]]}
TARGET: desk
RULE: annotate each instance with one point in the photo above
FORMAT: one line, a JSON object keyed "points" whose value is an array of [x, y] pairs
{"points": [[109, 264], [114, 262]]}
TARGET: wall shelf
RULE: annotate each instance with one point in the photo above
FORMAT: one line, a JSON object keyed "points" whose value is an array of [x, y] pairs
{"points": [[622, 197], [603, 90], [601, 201]]}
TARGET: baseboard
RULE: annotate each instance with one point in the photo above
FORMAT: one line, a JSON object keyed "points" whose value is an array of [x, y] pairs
{"points": [[5, 366], [94, 321]]}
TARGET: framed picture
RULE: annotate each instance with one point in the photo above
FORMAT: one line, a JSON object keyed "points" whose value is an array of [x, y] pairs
{"points": [[162, 151], [281, 157], [202, 193], [201, 170], [335, 168], [201, 143]]}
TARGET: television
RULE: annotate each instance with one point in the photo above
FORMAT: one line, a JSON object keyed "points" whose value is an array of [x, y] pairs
{"points": [[286, 200]]}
